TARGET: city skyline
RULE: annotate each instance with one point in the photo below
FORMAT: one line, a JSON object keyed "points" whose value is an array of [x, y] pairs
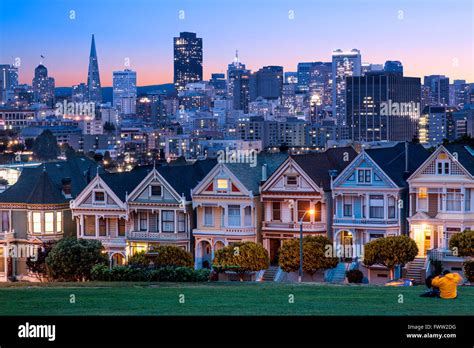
{"points": [[388, 31]]}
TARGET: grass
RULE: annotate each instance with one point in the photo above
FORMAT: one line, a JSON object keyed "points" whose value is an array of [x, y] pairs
{"points": [[96, 298]]}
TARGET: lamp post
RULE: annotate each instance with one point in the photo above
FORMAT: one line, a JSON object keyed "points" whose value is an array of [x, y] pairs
{"points": [[300, 273]]}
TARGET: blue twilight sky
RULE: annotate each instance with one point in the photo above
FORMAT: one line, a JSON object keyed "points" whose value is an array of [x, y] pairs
{"points": [[429, 37]]}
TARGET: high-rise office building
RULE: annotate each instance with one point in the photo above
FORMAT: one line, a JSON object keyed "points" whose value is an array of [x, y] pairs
{"points": [[125, 91], [8, 82], [93, 77], [241, 90], [43, 86], [79, 93], [233, 69], [267, 83], [436, 124], [187, 59], [393, 67], [344, 64], [439, 87], [382, 106]]}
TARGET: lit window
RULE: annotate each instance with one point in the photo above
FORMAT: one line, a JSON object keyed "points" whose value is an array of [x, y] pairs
{"points": [[49, 222], [59, 221], [36, 222], [222, 184]]}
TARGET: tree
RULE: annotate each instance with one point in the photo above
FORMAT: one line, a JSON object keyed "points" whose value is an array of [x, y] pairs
{"points": [[45, 146], [139, 259], [242, 257], [37, 265], [314, 257], [170, 255], [72, 259], [462, 244], [390, 252]]}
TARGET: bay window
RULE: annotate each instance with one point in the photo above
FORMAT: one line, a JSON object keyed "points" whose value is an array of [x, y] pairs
{"points": [[208, 216], [102, 227], [376, 207], [5, 222], [89, 225], [49, 222], [167, 221], [276, 211], [303, 207], [391, 207], [143, 220], [248, 216], [181, 222], [422, 199], [234, 215], [453, 199], [121, 227], [36, 222], [347, 206], [59, 221]]}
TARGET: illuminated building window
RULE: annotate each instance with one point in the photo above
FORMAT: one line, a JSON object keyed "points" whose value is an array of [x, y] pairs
{"points": [[36, 222]]}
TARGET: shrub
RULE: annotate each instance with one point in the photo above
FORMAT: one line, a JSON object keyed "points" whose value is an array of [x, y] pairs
{"points": [[170, 255], [37, 265], [163, 274], [390, 252], [100, 272], [139, 259], [72, 259], [314, 257], [354, 276], [469, 270], [241, 258], [462, 244]]}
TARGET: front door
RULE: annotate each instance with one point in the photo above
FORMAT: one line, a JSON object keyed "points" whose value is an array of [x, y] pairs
{"points": [[274, 247], [346, 242], [422, 237]]}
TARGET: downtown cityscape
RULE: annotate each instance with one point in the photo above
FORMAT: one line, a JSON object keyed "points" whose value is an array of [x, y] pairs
{"points": [[232, 170]]}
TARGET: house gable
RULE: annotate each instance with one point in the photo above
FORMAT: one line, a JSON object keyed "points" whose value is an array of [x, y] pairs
{"points": [[97, 195], [154, 189], [220, 182]]}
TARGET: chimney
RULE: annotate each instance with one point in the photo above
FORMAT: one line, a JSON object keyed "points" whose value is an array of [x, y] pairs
{"points": [[406, 157], [66, 186], [264, 172]]}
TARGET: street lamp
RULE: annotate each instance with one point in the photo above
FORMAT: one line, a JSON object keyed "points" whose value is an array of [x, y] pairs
{"points": [[311, 213]]}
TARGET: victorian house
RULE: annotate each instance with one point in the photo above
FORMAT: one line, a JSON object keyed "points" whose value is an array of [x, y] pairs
{"points": [[135, 211], [228, 207], [36, 210], [301, 184], [442, 202]]}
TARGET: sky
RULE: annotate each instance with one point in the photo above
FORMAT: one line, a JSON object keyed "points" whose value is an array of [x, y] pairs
{"points": [[427, 36]]}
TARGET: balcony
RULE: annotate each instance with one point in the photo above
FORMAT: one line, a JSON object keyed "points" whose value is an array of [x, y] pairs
{"points": [[107, 240], [443, 254], [293, 226], [232, 231], [156, 236], [365, 222]]}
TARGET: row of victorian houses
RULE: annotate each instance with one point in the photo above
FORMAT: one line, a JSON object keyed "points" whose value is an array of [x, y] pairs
{"points": [[204, 206]]}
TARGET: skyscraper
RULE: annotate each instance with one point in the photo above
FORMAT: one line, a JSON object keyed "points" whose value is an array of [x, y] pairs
{"points": [[43, 86], [8, 82], [125, 91], [187, 59], [267, 83], [439, 87], [344, 64], [383, 106], [241, 90], [394, 67], [93, 77]]}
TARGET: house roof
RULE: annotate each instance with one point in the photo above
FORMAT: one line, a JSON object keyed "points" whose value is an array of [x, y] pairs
{"points": [[251, 176], [465, 155], [392, 160], [317, 165], [43, 185]]}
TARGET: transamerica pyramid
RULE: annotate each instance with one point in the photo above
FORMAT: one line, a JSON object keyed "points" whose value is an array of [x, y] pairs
{"points": [[93, 77]]}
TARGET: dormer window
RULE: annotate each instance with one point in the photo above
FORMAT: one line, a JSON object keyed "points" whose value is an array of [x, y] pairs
{"points": [[291, 180], [364, 176], [443, 167], [99, 197], [155, 190], [222, 185]]}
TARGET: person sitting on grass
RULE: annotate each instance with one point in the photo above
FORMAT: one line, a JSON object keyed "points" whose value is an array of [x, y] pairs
{"points": [[447, 284], [432, 291]]}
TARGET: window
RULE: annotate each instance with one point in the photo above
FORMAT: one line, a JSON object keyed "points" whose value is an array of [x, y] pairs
{"points": [[291, 180], [121, 227], [347, 207], [181, 222], [467, 199], [208, 216], [248, 216], [453, 199], [222, 184], [276, 211], [364, 176], [422, 199], [167, 221], [49, 222], [443, 167], [59, 221], [102, 227], [99, 196], [89, 225], [376, 207], [5, 222], [36, 222], [234, 215], [303, 207], [155, 190], [142, 219], [391, 208]]}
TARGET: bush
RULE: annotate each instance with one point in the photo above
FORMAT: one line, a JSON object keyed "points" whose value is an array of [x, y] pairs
{"points": [[170, 255], [241, 258], [314, 257], [462, 244], [469, 270], [140, 260], [72, 259], [100, 272], [162, 274], [354, 276], [37, 265]]}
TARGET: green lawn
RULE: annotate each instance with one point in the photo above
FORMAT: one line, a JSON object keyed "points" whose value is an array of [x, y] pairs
{"points": [[225, 299]]}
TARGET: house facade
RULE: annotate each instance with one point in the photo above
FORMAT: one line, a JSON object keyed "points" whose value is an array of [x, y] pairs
{"points": [[442, 201], [228, 207], [300, 184]]}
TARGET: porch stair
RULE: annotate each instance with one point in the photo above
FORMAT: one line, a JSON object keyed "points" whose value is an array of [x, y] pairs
{"points": [[338, 274], [414, 269], [269, 274]]}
